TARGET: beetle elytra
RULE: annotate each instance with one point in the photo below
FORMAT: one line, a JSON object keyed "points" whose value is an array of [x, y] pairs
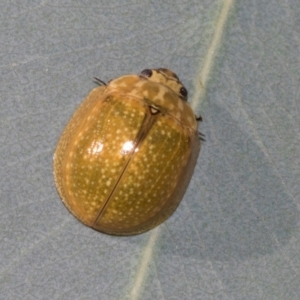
{"points": [[125, 159]]}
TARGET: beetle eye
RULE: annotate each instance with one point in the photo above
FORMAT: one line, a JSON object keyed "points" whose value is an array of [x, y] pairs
{"points": [[183, 92], [147, 73]]}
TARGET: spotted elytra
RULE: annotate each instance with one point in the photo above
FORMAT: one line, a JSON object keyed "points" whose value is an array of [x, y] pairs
{"points": [[125, 159]]}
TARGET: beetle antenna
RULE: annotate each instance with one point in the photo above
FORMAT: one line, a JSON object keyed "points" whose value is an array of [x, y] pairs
{"points": [[99, 81]]}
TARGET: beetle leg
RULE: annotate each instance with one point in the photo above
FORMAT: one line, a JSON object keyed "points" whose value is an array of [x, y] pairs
{"points": [[199, 118], [201, 136]]}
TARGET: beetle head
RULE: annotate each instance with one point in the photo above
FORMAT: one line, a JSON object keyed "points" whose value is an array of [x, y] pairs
{"points": [[167, 78]]}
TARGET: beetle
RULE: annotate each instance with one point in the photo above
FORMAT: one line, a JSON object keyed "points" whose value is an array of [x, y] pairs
{"points": [[125, 159]]}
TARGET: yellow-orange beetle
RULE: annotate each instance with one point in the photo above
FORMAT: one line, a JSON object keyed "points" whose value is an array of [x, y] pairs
{"points": [[125, 158]]}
